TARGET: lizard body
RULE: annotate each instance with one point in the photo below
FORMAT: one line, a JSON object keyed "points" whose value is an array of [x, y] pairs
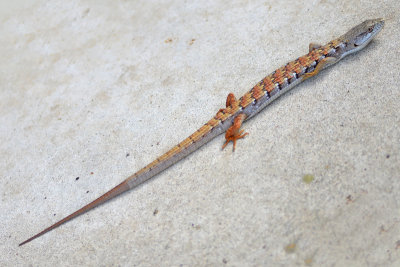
{"points": [[229, 119]]}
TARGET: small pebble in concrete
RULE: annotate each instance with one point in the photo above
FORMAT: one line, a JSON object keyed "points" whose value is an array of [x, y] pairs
{"points": [[308, 261], [308, 178], [290, 248]]}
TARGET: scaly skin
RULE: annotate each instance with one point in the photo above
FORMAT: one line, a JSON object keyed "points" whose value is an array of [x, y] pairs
{"points": [[229, 119]]}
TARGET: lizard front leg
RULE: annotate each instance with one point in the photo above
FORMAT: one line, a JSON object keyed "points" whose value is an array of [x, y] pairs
{"points": [[313, 46], [234, 133], [323, 63]]}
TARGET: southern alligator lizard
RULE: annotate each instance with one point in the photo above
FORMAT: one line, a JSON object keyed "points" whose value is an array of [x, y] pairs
{"points": [[230, 119]]}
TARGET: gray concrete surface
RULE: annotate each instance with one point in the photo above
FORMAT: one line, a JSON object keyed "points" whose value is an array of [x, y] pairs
{"points": [[97, 89]]}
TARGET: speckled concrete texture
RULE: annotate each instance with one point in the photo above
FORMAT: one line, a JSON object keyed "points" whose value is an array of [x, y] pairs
{"points": [[91, 91]]}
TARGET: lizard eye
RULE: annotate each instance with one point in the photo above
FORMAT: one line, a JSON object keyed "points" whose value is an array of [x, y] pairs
{"points": [[370, 29]]}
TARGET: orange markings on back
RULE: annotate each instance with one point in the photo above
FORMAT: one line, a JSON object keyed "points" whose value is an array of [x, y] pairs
{"points": [[294, 66], [246, 99], [289, 67], [257, 91], [314, 55], [278, 76], [268, 84], [286, 73], [305, 61], [325, 49]]}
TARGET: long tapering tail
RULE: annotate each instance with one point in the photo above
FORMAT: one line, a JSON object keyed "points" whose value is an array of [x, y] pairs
{"points": [[119, 189]]}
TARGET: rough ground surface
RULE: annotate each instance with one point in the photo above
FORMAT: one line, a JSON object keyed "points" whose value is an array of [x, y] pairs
{"points": [[97, 89]]}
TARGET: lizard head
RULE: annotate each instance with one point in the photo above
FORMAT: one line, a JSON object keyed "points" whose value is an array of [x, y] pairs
{"points": [[359, 36]]}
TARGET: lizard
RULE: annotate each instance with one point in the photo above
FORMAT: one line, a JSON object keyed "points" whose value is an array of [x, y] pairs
{"points": [[230, 118]]}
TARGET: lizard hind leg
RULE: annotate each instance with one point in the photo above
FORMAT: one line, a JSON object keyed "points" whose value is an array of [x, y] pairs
{"points": [[234, 133], [230, 102]]}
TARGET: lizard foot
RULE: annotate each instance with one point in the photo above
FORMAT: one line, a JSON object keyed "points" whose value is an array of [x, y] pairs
{"points": [[234, 133]]}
